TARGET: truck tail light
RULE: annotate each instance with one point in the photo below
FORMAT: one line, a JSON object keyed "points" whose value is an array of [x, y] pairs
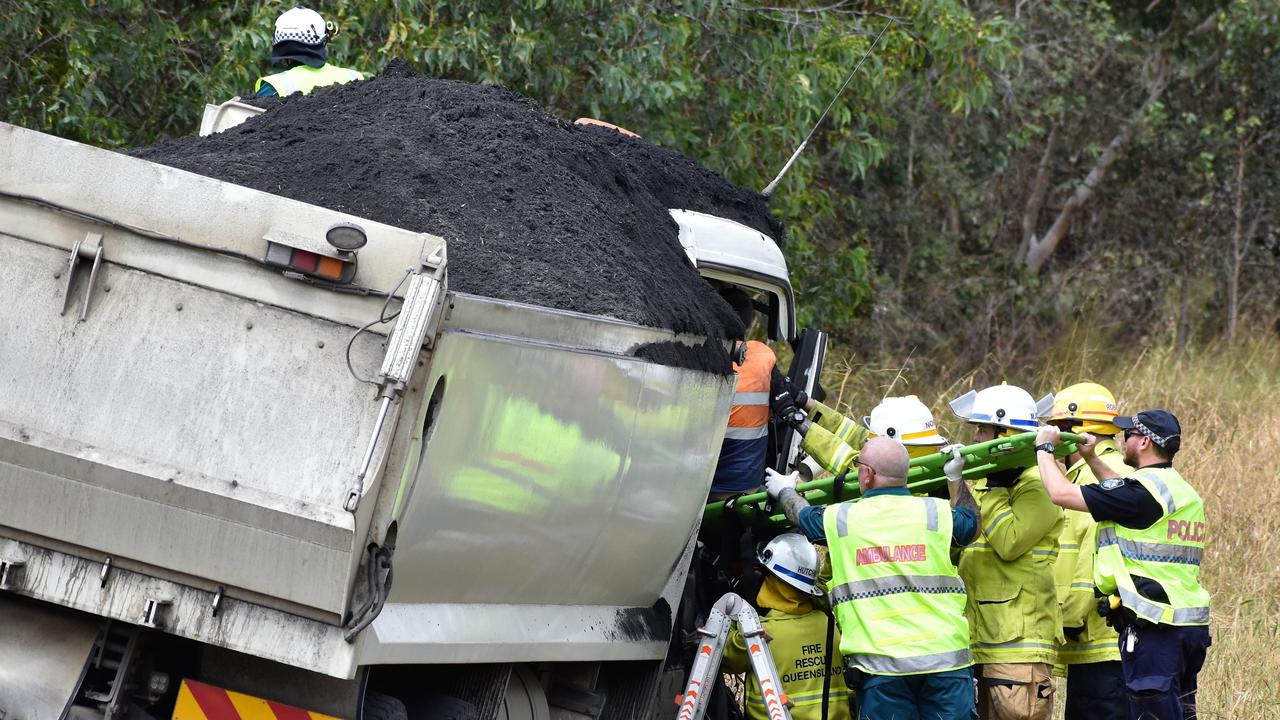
{"points": [[291, 252]]}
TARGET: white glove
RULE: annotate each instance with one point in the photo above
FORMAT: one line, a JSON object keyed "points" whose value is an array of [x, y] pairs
{"points": [[954, 468], [775, 483]]}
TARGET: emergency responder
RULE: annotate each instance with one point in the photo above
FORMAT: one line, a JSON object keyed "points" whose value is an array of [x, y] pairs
{"points": [[897, 598], [743, 454], [831, 439], [1013, 607], [1091, 655], [1151, 533], [299, 44], [796, 630]]}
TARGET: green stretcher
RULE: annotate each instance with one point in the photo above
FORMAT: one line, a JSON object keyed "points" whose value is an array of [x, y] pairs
{"points": [[925, 475]]}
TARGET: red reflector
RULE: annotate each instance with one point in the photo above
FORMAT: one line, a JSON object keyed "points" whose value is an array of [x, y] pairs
{"points": [[330, 268], [304, 261]]}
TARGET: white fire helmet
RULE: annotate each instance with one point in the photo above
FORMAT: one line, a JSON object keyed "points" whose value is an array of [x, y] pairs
{"points": [[793, 560], [906, 420], [1006, 406], [302, 25]]}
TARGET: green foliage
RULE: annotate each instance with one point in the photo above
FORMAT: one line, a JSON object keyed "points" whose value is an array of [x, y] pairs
{"points": [[915, 196]]}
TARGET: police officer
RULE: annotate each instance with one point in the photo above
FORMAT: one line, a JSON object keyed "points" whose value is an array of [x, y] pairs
{"points": [[1013, 604], [1091, 653], [897, 598], [1151, 533], [796, 629], [299, 44]]}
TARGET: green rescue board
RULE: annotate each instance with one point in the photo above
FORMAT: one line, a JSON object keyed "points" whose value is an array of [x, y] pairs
{"points": [[925, 475]]}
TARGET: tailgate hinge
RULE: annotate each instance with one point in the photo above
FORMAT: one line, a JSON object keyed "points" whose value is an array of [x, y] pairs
{"points": [[87, 248]]}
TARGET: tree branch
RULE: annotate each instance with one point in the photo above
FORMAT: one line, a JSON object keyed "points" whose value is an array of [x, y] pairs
{"points": [[1039, 251]]}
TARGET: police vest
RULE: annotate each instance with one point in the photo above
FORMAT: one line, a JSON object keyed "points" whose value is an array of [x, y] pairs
{"points": [[1168, 552], [897, 597], [796, 643], [304, 78]]}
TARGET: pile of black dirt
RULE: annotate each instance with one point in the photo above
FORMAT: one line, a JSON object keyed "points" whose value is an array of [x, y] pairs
{"points": [[709, 356], [535, 208]]}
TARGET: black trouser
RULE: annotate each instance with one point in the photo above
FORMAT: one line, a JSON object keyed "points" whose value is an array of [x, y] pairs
{"points": [[1096, 691], [1160, 667]]}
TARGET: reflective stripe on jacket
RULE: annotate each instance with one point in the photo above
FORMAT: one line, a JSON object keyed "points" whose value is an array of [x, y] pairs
{"points": [[1168, 552], [833, 440], [1013, 606], [1073, 572], [746, 440], [304, 78], [797, 645], [897, 597]]}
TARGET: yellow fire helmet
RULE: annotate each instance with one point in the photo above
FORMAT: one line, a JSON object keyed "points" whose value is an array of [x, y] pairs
{"points": [[1090, 404]]}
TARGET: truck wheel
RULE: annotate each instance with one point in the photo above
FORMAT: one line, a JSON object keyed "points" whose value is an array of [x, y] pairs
{"points": [[382, 707], [525, 700]]}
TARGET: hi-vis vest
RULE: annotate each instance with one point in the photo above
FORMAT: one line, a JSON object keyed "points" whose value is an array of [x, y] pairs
{"points": [[746, 441], [1168, 552], [304, 78], [897, 597]]}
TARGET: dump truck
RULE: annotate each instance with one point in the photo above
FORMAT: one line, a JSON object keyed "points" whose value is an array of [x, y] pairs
{"points": [[258, 459]]}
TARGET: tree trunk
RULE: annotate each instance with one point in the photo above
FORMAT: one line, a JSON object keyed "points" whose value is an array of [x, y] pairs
{"points": [[1039, 251], [1036, 200], [1237, 244]]}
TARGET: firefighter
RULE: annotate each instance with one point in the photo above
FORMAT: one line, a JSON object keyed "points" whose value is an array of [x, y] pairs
{"points": [[832, 439], [898, 599], [1091, 653], [1012, 603], [796, 629], [1151, 536], [299, 44]]}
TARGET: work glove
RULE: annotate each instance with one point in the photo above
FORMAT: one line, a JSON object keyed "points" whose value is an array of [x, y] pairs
{"points": [[787, 409], [953, 468], [775, 482], [1117, 616], [1004, 478]]}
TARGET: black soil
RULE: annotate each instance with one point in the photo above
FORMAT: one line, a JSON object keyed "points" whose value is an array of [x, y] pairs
{"points": [[534, 208]]}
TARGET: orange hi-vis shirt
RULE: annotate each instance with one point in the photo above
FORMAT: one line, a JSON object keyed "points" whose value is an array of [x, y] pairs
{"points": [[746, 440]]}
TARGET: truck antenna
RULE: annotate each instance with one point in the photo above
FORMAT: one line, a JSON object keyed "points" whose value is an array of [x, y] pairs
{"points": [[768, 190]]}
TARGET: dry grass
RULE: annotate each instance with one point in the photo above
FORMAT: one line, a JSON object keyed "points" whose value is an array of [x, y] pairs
{"points": [[1228, 400]]}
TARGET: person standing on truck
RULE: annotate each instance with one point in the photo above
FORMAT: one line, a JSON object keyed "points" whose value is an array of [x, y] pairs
{"points": [[1151, 537], [796, 629], [1013, 603], [299, 44], [1091, 653], [897, 597], [743, 454]]}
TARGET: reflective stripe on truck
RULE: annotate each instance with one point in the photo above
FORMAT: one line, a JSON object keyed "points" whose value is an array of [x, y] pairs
{"points": [[198, 701]]}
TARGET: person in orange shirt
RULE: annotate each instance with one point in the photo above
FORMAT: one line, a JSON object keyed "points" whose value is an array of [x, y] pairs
{"points": [[743, 454]]}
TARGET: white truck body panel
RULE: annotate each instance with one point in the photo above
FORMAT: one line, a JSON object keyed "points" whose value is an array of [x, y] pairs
{"points": [[206, 451]]}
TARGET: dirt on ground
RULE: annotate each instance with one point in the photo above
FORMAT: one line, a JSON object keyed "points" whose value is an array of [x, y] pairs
{"points": [[535, 208]]}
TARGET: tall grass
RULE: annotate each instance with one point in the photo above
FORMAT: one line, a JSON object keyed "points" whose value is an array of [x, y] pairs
{"points": [[1227, 398]]}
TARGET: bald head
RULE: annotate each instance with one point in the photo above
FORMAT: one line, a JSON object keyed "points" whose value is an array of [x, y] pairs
{"points": [[888, 457]]}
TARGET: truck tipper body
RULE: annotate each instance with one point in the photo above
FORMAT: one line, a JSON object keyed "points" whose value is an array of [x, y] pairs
{"points": [[233, 452]]}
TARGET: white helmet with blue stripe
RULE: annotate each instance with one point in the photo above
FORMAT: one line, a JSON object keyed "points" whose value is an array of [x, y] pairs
{"points": [[793, 560], [1006, 406]]}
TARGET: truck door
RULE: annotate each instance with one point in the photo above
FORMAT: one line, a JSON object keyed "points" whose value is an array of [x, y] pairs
{"points": [[806, 370]]}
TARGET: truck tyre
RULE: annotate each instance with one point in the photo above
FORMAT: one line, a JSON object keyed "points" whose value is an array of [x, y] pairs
{"points": [[382, 707]]}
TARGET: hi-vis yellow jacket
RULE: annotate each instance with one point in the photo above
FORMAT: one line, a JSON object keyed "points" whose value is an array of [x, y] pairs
{"points": [[1013, 606], [834, 440], [1073, 573]]}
